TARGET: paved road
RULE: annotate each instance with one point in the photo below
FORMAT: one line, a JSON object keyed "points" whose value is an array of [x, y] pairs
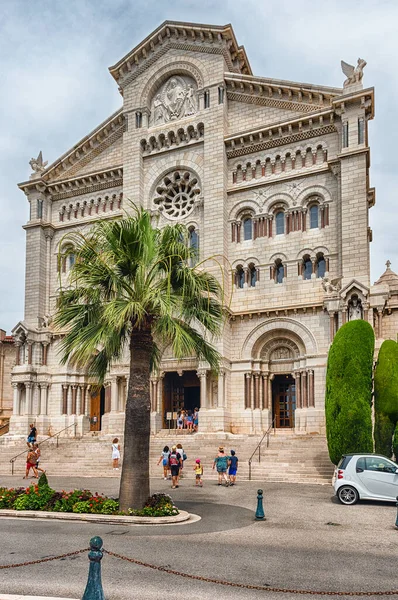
{"points": [[308, 541]]}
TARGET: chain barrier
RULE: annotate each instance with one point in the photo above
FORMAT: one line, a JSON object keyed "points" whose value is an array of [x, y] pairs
{"points": [[247, 586], [43, 560]]}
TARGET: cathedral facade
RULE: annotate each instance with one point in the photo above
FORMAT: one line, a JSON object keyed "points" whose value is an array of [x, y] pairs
{"points": [[271, 178]]}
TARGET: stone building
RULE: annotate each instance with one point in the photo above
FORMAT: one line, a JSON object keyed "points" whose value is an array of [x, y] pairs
{"points": [[7, 362], [270, 176]]}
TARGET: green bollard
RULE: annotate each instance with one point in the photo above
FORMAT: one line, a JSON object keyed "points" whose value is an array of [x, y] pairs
{"points": [[260, 510], [94, 589], [396, 520]]}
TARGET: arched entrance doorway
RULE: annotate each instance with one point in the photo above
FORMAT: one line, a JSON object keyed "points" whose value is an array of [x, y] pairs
{"points": [[97, 408], [180, 391], [283, 401]]}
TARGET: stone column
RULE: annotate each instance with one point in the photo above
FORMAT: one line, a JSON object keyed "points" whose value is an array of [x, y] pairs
{"points": [[298, 389], [45, 352], [203, 388], [73, 406], [114, 394], [304, 392], [79, 400], [30, 352], [28, 403], [17, 353], [87, 400], [160, 394], [331, 326], [311, 399], [69, 400], [248, 381], [41, 399], [16, 399], [265, 392], [256, 390], [379, 322], [221, 389], [64, 399]]}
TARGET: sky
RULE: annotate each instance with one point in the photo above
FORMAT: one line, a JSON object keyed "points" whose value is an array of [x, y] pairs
{"points": [[56, 88]]}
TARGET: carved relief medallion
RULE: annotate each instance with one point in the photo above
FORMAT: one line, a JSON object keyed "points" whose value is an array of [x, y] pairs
{"points": [[176, 98]]}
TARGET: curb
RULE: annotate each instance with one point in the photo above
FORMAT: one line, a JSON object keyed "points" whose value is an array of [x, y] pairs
{"points": [[107, 519], [22, 597]]}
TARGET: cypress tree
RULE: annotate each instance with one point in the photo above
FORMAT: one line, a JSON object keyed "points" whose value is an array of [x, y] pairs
{"points": [[386, 399], [349, 390]]}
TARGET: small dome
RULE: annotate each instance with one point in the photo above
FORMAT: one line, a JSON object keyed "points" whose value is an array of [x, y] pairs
{"points": [[389, 278]]}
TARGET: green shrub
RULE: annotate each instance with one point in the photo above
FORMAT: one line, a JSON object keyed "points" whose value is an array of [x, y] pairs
{"points": [[34, 498], [8, 496], [383, 432], [67, 500], [386, 398], [395, 442], [349, 390], [99, 505], [43, 481]]}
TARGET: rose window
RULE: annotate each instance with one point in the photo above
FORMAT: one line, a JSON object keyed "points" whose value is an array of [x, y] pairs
{"points": [[176, 194]]}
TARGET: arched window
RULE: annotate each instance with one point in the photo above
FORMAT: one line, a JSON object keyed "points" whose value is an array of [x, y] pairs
{"points": [[280, 222], [320, 266], [72, 259], [247, 228], [193, 241], [314, 216], [252, 275], [279, 271], [239, 277], [307, 267]]}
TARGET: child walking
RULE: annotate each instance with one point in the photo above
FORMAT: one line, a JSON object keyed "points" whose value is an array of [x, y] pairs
{"points": [[198, 468], [233, 467], [164, 457], [115, 454]]}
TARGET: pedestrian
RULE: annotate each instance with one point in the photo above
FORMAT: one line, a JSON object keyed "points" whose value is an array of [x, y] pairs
{"points": [[38, 455], [198, 468], [180, 421], [31, 461], [233, 467], [175, 461], [180, 450], [195, 419], [164, 457], [221, 462], [190, 421], [115, 454], [32, 436]]}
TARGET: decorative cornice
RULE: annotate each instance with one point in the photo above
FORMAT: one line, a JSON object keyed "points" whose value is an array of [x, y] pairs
{"points": [[82, 153], [183, 36], [272, 102], [282, 311], [86, 184], [272, 136]]}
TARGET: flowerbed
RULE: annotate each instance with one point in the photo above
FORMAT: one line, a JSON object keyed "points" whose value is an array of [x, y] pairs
{"points": [[40, 496]]}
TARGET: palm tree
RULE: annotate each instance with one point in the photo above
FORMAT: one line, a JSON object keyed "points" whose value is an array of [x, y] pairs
{"points": [[133, 284]]}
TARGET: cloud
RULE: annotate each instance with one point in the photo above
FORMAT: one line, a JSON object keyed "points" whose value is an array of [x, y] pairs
{"points": [[54, 59]]}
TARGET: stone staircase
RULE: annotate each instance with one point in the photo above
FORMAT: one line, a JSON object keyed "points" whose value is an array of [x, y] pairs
{"points": [[289, 457]]}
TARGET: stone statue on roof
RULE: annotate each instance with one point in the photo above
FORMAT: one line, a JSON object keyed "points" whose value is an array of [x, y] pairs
{"points": [[37, 164], [354, 74]]}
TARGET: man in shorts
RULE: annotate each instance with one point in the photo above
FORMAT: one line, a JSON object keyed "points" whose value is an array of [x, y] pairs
{"points": [[175, 462]]}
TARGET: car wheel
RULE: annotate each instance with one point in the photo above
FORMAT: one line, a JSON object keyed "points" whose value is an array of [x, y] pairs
{"points": [[347, 495]]}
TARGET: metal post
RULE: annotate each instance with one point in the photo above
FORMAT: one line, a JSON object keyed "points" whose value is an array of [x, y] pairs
{"points": [[260, 511], [94, 589], [396, 520], [250, 470]]}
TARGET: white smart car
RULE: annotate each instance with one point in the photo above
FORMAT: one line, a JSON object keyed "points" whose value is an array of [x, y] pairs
{"points": [[365, 477]]}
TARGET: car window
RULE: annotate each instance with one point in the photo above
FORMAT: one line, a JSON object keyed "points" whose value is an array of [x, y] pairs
{"points": [[361, 463], [344, 462], [382, 465]]}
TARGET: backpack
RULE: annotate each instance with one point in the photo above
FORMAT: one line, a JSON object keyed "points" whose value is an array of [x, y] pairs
{"points": [[173, 460]]}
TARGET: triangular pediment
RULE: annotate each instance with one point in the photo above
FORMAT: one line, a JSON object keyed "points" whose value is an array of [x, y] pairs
{"points": [[189, 37], [356, 286]]}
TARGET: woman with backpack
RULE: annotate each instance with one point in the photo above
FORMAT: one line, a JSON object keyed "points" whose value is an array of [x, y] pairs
{"points": [[175, 461], [221, 463]]}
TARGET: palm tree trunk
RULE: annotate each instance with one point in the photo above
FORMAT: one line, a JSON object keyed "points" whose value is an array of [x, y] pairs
{"points": [[134, 485]]}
